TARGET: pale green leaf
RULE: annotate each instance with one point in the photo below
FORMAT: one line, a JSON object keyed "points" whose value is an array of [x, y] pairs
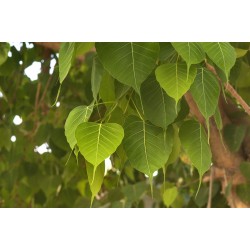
{"points": [[205, 91], [222, 54], [169, 196], [144, 145], [66, 53], [158, 107], [192, 53], [82, 48], [174, 78], [96, 76], [95, 179], [77, 116], [240, 52], [97, 141], [129, 63], [195, 143]]}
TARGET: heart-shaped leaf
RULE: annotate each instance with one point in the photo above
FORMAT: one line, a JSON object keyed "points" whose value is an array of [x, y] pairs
{"points": [[222, 54], [192, 53], [205, 91], [77, 116], [129, 63], [175, 79], [144, 145], [96, 76], [97, 141], [194, 141], [158, 107]]}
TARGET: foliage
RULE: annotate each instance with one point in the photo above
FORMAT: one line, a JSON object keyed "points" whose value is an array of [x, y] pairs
{"points": [[125, 102]]}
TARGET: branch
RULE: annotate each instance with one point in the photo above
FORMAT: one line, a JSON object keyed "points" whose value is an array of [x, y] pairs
{"points": [[55, 46], [230, 89]]}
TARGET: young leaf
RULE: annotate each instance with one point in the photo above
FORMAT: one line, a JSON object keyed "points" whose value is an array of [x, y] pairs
{"points": [[144, 145], [169, 196], [129, 63], [205, 91], [194, 141], [82, 48], [174, 78], [77, 116], [96, 76], [158, 107], [65, 58], [95, 180], [222, 54], [192, 53], [97, 141]]}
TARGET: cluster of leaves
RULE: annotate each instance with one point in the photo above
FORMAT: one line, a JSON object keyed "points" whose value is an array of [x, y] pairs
{"points": [[123, 101]]}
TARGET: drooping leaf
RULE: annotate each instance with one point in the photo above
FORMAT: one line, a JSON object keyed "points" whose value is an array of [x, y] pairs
{"points": [[129, 63], [77, 116], [217, 118], [66, 53], [205, 91], [195, 143], [174, 78], [97, 141], [240, 52], [222, 54], [169, 196], [95, 179], [158, 107], [176, 147], [4, 49], [192, 53], [243, 191], [234, 135], [144, 145], [167, 52], [96, 77]]}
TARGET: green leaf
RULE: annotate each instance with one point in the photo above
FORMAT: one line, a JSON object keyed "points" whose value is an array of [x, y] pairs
{"points": [[245, 169], [144, 145], [4, 49], [97, 141], [176, 147], [240, 52], [65, 58], [194, 141], [95, 179], [169, 196], [174, 80], [83, 48], [107, 88], [77, 116], [129, 63], [243, 80], [96, 76], [234, 136], [158, 107], [192, 53], [222, 54], [205, 91], [217, 118]]}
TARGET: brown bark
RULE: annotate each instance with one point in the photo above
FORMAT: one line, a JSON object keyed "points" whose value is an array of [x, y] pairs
{"points": [[55, 46]]}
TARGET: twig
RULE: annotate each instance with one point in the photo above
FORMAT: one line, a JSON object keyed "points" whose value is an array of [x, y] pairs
{"points": [[209, 203]]}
